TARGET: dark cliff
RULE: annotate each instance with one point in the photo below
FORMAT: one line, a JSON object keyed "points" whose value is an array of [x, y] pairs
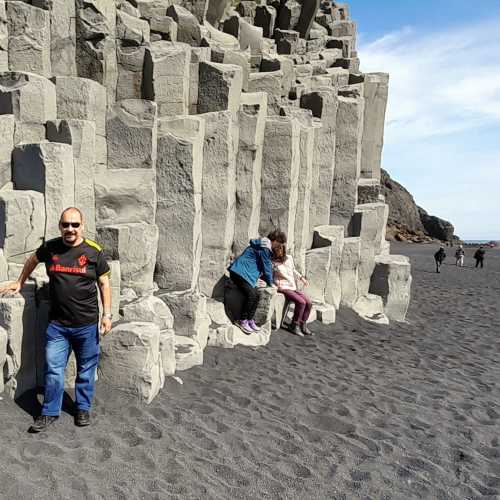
{"points": [[407, 221]]}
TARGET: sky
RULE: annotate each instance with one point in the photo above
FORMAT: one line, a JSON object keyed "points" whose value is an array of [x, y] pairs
{"points": [[442, 139]]}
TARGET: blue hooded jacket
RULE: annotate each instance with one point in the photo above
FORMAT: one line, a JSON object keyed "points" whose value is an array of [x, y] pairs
{"points": [[254, 262]]}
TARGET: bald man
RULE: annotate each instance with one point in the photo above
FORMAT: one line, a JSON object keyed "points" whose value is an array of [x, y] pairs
{"points": [[74, 266]]}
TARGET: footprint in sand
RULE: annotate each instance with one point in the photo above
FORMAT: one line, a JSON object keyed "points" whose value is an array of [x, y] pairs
{"points": [[331, 424], [153, 430]]}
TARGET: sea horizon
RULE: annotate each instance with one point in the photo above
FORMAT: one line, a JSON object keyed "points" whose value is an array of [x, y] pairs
{"points": [[480, 240]]}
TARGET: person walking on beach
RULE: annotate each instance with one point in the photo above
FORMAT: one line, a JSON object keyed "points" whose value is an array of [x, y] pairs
{"points": [[74, 266], [245, 271], [439, 257], [459, 256], [285, 278], [479, 256]]}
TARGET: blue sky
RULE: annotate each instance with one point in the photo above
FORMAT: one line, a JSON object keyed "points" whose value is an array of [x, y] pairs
{"points": [[443, 121]]}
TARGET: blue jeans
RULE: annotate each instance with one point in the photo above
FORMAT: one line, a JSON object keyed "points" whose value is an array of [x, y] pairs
{"points": [[84, 341]]}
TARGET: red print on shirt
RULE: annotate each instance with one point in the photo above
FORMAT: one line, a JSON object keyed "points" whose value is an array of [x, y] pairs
{"points": [[82, 260]]}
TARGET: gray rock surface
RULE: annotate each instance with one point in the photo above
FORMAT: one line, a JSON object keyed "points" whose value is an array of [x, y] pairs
{"points": [[131, 360], [182, 129], [49, 169]]}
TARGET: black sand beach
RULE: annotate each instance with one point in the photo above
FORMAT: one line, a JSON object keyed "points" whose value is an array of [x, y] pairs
{"points": [[358, 411]]}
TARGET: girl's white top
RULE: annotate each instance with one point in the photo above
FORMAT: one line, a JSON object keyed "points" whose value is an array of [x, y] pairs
{"points": [[285, 274]]}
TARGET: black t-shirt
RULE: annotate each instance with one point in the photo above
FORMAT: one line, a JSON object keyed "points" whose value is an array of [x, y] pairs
{"points": [[73, 273]]}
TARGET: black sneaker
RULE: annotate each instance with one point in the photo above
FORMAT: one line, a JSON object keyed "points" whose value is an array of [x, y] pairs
{"points": [[41, 423], [295, 329], [82, 418], [306, 330]]}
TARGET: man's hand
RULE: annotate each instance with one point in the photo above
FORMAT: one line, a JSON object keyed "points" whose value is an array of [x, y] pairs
{"points": [[106, 325], [11, 288], [304, 280]]}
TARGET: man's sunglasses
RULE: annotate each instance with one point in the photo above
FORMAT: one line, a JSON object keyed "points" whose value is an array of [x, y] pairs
{"points": [[65, 225]]}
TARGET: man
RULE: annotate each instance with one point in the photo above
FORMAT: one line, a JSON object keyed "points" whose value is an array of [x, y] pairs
{"points": [[439, 257], [479, 256], [74, 266]]}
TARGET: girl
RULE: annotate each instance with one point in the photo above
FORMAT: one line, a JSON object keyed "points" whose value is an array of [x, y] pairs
{"points": [[285, 276], [254, 262]]}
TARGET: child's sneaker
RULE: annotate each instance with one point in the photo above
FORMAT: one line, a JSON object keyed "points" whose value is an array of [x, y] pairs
{"points": [[253, 326], [244, 326]]}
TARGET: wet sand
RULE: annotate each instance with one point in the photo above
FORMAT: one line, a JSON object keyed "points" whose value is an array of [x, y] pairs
{"points": [[358, 411]]}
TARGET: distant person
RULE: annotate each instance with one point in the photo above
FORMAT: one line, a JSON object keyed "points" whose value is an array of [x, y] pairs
{"points": [[285, 278], [479, 256], [439, 257], [460, 256], [245, 271]]}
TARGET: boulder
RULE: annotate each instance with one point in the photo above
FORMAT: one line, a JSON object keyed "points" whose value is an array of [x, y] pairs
{"points": [[325, 313], [368, 223], [251, 117], [280, 174], [131, 30], [123, 196], [188, 27], [347, 159], [371, 308], [131, 359], [49, 169], [115, 282], [307, 129], [166, 77], [323, 105], [219, 87], [62, 35], [30, 98], [134, 245], [130, 67], [18, 317], [375, 93], [80, 134], [219, 197], [151, 309], [331, 237], [167, 351], [81, 99], [265, 17], [22, 223], [188, 353], [271, 84], [6, 147], [391, 280], [198, 55], [180, 157], [190, 315], [132, 127], [29, 38], [349, 271], [96, 43]]}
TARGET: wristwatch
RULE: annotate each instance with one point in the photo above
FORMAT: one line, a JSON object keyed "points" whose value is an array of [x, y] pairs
{"points": [[107, 316]]}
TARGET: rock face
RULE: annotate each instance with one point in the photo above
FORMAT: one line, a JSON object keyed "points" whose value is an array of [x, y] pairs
{"points": [[182, 130], [407, 221]]}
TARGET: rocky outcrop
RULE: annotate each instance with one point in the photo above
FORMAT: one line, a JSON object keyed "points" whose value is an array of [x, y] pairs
{"points": [[407, 221], [181, 130]]}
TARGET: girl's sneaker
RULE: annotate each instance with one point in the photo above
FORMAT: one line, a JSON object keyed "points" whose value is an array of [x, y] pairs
{"points": [[253, 326], [244, 326]]}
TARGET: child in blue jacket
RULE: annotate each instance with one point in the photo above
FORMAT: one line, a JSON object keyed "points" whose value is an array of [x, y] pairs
{"points": [[254, 262]]}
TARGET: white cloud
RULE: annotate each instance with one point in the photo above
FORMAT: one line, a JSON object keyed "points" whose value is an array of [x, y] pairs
{"points": [[441, 83]]}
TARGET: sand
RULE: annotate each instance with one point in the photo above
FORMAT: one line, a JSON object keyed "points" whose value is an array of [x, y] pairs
{"points": [[358, 411]]}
